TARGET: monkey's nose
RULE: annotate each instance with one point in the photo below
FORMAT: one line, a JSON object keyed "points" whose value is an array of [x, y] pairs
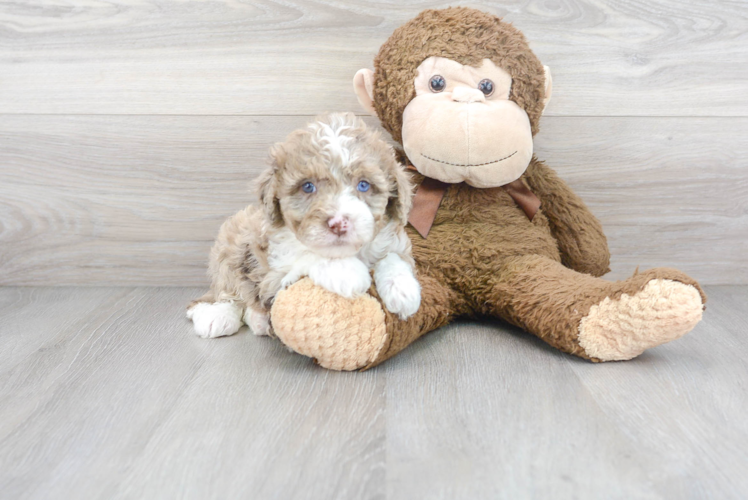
{"points": [[467, 95], [338, 225]]}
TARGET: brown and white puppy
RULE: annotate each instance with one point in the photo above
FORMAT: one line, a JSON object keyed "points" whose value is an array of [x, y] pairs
{"points": [[334, 204]]}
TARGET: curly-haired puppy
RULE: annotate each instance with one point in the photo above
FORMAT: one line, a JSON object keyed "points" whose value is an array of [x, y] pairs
{"points": [[334, 204]]}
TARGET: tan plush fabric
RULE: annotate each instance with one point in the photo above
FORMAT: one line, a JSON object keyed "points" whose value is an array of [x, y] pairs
{"points": [[662, 311], [485, 141], [340, 333]]}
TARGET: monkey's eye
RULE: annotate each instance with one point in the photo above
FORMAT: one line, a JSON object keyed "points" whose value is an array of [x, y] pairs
{"points": [[437, 83], [486, 86], [363, 186], [308, 187]]}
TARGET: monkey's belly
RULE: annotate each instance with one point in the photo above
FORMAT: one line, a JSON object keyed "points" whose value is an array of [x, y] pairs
{"points": [[465, 247]]}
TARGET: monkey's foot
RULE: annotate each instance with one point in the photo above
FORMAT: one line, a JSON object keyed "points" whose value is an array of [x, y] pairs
{"points": [[663, 310], [339, 333]]}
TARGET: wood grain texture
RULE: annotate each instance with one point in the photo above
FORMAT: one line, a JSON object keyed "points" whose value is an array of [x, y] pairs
{"points": [[684, 403], [659, 57], [670, 192], [502, 415], [106, 393], [117, 200]]}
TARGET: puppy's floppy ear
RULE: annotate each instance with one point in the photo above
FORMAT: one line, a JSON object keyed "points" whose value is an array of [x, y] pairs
{"points": [[401, 192], [267, 184]]}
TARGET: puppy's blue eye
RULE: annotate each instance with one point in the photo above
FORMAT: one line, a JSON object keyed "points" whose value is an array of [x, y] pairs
{"points": [[308, 187], [363, 186]]}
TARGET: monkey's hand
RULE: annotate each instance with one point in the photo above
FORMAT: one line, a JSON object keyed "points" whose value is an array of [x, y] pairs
{"points": [[578, 233]]}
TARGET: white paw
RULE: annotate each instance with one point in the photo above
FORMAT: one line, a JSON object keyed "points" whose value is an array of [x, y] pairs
{"points": [[396, 285], [347, 277], [289, 279], [258, 322], [215, 319], [401, 294]]}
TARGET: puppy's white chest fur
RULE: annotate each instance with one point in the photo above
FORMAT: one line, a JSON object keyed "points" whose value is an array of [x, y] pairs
{"points": [[290, 260], [347, 276]]}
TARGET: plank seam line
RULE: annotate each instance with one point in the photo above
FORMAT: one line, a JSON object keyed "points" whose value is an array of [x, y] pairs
{"points": [[357, 114]]}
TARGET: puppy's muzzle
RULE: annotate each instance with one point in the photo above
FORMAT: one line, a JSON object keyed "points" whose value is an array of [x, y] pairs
{"points": [[338, 225]]}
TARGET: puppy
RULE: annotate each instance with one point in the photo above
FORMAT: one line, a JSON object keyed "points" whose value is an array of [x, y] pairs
{"points": [[333, 206]]}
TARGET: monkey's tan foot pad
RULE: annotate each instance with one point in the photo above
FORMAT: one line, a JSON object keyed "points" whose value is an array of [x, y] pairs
{"points": [[662, 311], [340, 333]]}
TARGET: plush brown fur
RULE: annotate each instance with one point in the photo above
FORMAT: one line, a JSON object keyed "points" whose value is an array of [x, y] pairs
{"points": [[483, 256], [465, 35]]}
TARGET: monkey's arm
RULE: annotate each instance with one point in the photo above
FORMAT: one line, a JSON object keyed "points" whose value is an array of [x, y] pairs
{"points": [[580, 237]]}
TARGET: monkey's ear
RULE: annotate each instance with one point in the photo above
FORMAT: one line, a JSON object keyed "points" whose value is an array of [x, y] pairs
{"points": [[363, 85], [548, 86]]}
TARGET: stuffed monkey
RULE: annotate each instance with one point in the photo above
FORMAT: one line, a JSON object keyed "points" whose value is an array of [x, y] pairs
{"points": [[495, 231]]}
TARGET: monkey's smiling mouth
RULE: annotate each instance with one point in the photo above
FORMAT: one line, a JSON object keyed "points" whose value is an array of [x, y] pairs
{"points": [[469, 164]]}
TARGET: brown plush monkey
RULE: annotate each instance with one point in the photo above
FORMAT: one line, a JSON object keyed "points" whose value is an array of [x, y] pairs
{"points": [[463, 93]]}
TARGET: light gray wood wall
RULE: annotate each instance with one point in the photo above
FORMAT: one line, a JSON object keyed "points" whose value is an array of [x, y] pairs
{"points": [[130, 130]]}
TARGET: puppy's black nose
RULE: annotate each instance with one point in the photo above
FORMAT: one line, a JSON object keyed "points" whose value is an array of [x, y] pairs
{"points": [[338, 225]]}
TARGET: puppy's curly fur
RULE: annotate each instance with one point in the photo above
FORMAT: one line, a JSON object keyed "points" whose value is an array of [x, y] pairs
{"points": [[333, 206]]}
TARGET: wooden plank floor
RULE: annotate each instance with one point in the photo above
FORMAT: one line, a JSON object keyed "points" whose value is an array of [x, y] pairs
{"points": [[105, 393]]}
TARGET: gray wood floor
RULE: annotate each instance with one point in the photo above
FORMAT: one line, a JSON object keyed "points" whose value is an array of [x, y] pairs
{"points": [[105, 393]]}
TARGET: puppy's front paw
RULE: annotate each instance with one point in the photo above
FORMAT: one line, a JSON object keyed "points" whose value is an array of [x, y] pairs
{"points": [[347, 277], [288, 280], [400, 293], [215, 319], [258, 322]]}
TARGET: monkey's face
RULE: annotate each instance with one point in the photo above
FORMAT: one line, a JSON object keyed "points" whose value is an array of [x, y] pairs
{"points": [[461, 125]]}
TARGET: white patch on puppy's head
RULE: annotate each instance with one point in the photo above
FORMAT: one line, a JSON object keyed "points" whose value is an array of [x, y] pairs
{"points": [[330, 141], [335, 184]]}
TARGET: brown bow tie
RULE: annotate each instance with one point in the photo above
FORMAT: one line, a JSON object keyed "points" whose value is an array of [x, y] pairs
{"points": [[429, 196]]}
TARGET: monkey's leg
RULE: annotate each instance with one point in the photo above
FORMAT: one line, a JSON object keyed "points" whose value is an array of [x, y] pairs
{"points": [[594, 318], [349, 334]]}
